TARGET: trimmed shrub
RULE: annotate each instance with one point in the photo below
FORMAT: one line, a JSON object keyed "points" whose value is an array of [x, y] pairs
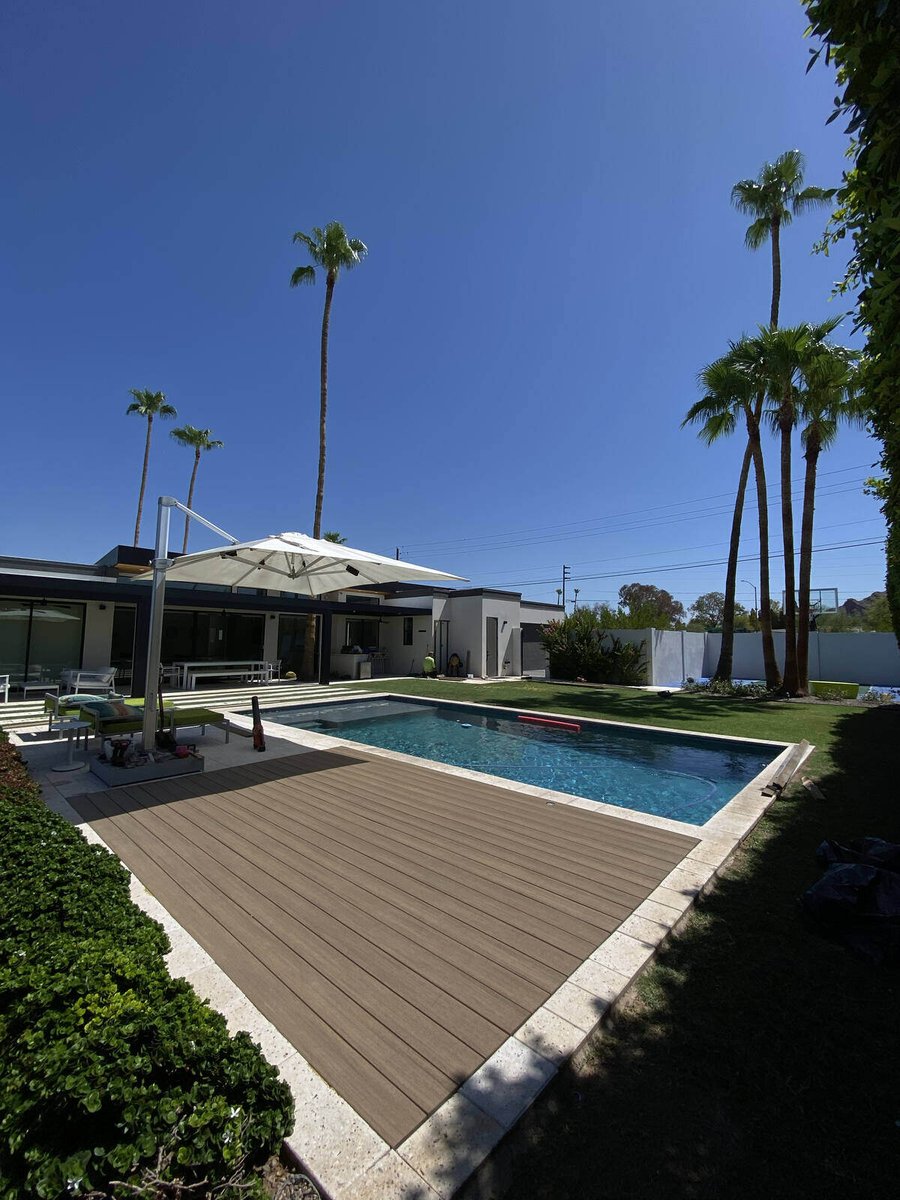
{"points": [[726, 687], [112, 1070]]}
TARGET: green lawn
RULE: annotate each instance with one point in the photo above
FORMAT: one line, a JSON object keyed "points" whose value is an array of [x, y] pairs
{"points": [[755, 1059]]}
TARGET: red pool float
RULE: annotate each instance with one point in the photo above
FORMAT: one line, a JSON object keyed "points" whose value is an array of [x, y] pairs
{"points": [[572, 726]]}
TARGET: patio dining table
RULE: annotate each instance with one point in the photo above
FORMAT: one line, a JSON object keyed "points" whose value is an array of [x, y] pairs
{"points": [[188, 672]]}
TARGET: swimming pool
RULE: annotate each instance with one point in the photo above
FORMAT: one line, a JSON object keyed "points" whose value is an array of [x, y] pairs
{"points": [[668, 774]]}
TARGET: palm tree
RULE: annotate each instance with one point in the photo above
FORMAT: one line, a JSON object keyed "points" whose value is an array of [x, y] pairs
{"points": [[774, 360], [149, 405], [199, 440], [333, 251], [333, 536], [831, 397], [730, 393], [773, 199]]}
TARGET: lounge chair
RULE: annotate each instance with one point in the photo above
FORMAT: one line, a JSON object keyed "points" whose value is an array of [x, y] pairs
{"points": [[97, 683], [108, 718]]}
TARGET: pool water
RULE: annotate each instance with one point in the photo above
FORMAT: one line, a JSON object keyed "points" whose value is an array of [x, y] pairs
{"points": [[667, 774]]}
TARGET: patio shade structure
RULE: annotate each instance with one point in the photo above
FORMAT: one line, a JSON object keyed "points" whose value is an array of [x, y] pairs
{"points": [[286, 562]]}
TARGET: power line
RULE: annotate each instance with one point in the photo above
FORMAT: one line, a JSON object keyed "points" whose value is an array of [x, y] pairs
{"points": [[450, 543], [665, 568], [555, 539]]}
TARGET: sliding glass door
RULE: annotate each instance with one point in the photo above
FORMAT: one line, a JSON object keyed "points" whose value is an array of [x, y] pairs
{"points": [[39, 640]]}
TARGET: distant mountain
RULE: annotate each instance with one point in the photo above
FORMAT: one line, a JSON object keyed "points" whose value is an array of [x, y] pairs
{"points": [[855, 608]]}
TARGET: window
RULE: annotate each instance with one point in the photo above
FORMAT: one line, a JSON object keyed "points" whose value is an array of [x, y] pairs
{"points": [[361, 632], [407, 631]]}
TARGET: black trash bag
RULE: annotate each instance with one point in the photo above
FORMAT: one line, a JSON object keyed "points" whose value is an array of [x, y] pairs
{"points": [[873, 851], [858, 906]]}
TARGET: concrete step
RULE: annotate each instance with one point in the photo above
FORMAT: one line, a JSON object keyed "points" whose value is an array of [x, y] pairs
{"points": [[18, 713]]}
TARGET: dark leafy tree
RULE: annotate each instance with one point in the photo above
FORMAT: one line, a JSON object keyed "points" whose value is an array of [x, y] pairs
{"points": [[658, 606], [863, 40]]}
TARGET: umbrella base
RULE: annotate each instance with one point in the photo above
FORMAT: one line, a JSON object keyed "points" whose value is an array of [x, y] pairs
{"points": [[146, 772]]}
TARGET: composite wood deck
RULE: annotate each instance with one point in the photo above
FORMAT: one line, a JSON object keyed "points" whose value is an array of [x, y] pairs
{"points": [[395, 923]]}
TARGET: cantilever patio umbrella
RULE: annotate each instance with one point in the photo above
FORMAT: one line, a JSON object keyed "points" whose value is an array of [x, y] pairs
{"points": [[286, 562], [293, 562]]}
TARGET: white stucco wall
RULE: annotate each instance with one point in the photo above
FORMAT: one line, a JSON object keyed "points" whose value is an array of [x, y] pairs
{"points": [[676, 655], [839, 657]]}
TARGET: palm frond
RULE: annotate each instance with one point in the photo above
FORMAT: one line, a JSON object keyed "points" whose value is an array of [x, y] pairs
{"points": [[758, 233], [812, 197], [303, 275], [150, 404], [196, 439]]}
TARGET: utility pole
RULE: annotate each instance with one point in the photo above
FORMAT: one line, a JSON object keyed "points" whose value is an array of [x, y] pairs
{"points": [[566, 576]]}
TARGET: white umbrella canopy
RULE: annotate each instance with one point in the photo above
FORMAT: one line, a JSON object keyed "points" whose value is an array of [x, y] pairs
{"points": [[293, 562]]}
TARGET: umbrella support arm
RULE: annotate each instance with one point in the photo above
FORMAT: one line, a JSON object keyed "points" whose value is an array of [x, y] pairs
{"points": [[161, 562]]}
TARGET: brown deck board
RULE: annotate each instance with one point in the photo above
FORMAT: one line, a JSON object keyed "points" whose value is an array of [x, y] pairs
{"points": [[397, 924]]}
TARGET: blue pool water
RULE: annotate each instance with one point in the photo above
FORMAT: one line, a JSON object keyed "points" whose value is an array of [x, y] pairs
{"points": [[667, 774]]}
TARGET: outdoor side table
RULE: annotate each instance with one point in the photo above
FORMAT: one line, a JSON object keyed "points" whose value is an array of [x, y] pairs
{"points": [[70, 726]]}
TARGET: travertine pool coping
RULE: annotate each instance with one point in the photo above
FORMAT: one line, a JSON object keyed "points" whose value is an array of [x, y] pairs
{"points": [[341, 1151]]}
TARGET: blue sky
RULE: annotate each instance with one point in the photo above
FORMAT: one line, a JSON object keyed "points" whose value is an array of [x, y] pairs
{"points": [[544, 190]]}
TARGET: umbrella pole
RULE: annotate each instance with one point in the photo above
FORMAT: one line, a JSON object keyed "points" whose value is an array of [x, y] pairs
{"points": [[157, 605]]}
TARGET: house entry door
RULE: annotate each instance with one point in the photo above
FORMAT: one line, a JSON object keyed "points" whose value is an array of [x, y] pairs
{"points": [[490, 647], [441, 636]]}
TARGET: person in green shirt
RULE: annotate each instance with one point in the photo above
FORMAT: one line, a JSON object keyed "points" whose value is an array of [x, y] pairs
{"points": [[429, 667]]}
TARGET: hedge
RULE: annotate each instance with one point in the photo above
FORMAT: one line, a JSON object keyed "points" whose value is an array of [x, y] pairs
{"points": [[112, 1070], [862, 38]]}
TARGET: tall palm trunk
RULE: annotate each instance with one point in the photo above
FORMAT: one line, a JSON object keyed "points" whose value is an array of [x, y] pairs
{"points": [[725, 666], [813, 447], [776, 272], [137, 524], [786, 425], [309, 642], [770, 662], [190, 499], [323, 401]]}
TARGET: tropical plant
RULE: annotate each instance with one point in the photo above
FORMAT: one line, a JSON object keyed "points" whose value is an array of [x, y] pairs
{"points": [[863, 41], [148, 405], [731, 393], [333, 536], [830, 397], [578, 648], [199, 441], [333, 251], [775, 359], [773, 199]]}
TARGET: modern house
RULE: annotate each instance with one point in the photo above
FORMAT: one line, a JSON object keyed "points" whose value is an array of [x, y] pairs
{"points": [[59, 615]]}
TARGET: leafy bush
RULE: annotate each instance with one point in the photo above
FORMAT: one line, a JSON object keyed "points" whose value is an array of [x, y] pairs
{"points": [[578, 648], [725, 687], [112, 1070]]}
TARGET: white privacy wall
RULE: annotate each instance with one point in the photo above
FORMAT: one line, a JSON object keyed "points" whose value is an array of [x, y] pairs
{"points": [[839, 657], [674, 655], [677, 655]]}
